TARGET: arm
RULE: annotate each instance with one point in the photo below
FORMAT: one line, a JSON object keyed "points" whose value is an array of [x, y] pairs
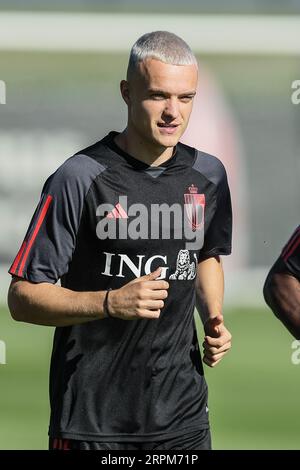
{"points": [[282, 286], [51, 305], [47, 304], [209, 288], [209, 303], [282, 294]]}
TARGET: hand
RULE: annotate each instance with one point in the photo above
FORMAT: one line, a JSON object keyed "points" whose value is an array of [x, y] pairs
{"points": [[217, 341], [141, 298]]}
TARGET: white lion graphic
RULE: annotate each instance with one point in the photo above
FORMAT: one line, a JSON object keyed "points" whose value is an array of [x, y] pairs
{"points": [[185, 270]]}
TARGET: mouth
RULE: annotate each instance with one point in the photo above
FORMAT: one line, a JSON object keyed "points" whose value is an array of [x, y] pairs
{"points": [[164, 124], [167, 128]]}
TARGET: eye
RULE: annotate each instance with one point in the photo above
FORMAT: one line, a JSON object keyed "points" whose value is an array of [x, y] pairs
{"points": [[157, 96], [187, 98]]}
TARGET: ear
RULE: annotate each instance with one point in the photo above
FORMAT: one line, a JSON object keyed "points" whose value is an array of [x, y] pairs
{"points": [[124, 88]]}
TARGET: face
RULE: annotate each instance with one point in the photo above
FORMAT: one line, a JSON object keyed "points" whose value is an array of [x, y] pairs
{"points": [[159, 98]]}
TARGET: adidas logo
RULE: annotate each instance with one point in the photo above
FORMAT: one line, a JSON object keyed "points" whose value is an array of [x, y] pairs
{"points": [[117, 213]]}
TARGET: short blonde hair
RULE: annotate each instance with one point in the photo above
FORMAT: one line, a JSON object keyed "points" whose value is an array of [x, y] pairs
{"points": [[161, 45]]}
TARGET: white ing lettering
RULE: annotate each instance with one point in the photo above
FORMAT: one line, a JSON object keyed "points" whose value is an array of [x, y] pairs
{"points": [[186, 265], [135, 267]]}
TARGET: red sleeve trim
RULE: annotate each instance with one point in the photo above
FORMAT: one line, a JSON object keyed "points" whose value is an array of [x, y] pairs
{"points": [[293, 248], [23, 257], [291, 245], [17, 258]]}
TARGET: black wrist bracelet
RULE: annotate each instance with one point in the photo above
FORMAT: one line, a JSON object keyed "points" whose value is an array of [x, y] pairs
{"points": [[105, 306]]}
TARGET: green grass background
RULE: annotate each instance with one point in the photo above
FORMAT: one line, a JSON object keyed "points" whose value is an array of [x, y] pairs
{"points": [[253, 394]]}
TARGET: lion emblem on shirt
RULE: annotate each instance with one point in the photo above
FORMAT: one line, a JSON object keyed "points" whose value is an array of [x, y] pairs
{"points": [[185, 269]]}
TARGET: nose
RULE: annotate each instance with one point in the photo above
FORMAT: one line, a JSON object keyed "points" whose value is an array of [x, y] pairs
{"points": [[171, 109]]}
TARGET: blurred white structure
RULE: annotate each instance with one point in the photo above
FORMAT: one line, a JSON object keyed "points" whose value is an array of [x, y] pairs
{"points": [[246, 34]]}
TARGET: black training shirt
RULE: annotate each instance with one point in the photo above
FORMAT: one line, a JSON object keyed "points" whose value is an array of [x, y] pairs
{"points": [[141, 379], [290, 255]]}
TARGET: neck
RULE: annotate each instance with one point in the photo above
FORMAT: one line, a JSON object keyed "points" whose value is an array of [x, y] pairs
{"points": [[143, 150]]}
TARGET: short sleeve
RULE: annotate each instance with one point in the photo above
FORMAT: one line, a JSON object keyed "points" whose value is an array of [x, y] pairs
{"points": [[218, 234], [290, 255], [50, 240]]}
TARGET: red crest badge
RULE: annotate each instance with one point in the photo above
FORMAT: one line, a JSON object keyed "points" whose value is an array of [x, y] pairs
{"points": [[194, 204]]}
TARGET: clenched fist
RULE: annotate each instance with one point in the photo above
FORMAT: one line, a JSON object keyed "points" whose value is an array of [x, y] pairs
{"points": [[141, 298]]}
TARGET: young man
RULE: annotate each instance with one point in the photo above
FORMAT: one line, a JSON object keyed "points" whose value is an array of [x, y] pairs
{"points": [[147, 217], [282, 286]]}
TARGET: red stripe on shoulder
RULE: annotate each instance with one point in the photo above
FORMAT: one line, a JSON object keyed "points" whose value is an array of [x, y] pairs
{"points": [[35, 232], [288, 245], [292, 248]]}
